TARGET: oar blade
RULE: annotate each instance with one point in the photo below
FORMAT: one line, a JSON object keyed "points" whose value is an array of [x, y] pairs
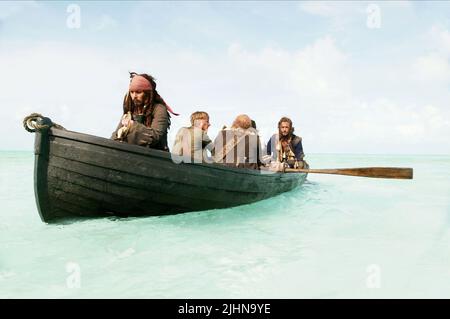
{"points": [[385, 172], [374, 172]]}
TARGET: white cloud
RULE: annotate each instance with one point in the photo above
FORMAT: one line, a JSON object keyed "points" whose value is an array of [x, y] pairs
{"points": [[319, 71], [334, 117], [435, 118], [106, 22], [82, 89], [432, 67], [11, 8], [323, 77], [441, 39], [340, 13], [333, 9], [321, 8], [72, 85], [399, 4], [391, 123], [345, 16], [411, 130]]}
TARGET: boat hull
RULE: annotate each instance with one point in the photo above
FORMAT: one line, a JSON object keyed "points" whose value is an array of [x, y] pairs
{"points": [[82, 175]]}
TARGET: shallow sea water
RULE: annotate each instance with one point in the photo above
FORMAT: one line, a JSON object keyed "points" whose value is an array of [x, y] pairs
{"points": [[334, 237]]}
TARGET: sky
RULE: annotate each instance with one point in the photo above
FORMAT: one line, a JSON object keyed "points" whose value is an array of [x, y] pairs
{"points": [[355, 77]]}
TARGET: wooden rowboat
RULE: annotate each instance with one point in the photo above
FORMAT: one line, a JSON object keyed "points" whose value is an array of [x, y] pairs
{"points": [[77, 174]]}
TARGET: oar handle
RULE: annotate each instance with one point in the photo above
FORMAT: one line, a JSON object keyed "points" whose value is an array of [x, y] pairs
{"points": [[375, 172]]}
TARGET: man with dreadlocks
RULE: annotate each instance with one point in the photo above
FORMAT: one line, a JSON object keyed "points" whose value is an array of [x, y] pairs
{"points": [[146, 118], [286, 147]]}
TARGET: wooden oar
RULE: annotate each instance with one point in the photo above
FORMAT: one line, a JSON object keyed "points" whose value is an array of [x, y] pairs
{"points": [[376, 172]]}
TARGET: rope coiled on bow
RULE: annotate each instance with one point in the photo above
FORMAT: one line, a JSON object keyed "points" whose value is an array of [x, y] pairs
{"points": [[36, 122]]}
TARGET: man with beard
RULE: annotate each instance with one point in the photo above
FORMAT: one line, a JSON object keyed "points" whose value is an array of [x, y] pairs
{"points": [[146, 118], [286, 147]]}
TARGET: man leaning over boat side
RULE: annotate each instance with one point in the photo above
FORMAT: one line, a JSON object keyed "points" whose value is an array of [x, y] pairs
{"points": [[191, 143], [238, 146], [146, 118], [286, 147]]}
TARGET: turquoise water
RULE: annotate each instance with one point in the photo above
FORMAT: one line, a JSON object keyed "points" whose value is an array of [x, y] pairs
{"points": [[335, 237]]}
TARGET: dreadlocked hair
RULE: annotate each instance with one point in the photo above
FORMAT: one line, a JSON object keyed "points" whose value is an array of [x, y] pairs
{"points": [[155, 98]]}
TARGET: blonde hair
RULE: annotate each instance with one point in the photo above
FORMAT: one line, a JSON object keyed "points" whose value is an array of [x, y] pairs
{"points": [[242, 121], [199, 115]]}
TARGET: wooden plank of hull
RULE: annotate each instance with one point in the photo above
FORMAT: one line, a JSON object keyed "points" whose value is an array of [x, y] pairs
{"points": [[116, 197], [180, 188], [82, 175], [168, 172], [85, 201], [135, 187], [128, 200]]}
